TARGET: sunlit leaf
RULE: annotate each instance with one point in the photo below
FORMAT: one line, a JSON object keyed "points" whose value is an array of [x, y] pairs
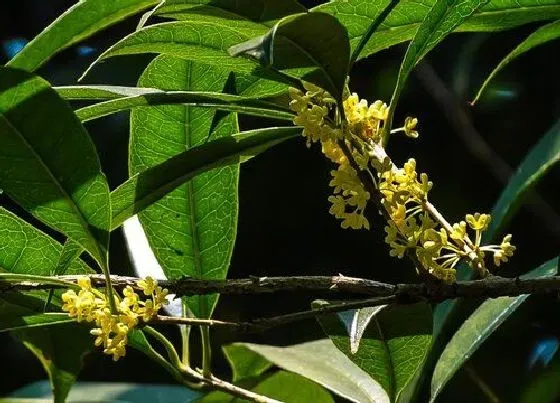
{"points": [[403, 22], [325, 364], [48, 163]]}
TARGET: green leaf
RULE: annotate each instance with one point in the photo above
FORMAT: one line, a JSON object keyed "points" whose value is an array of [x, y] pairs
{"points": [[544, 34], [48, 163], [245, 363], [478, 327], [32, 321], [60, 349], [149, 186], [289, 387], [204, 40], [393, 347], [441, 20], [265, 11], [312, 46], [281, 385], [403, 22], [80, 21], [192, 229], [26, 250], [212, 100], [322, 362]]}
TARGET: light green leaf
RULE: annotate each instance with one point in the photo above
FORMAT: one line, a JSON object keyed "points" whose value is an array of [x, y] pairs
{"points": [[61, 359], [32, 321], [478, 327], [204, 40], [48, 163], [441, 20], [322, 362], [192, 229], [282, 386], [149, 186], [266, 11], [312, 46], [83, 19], [393, 347], [544, 34], [211, 100], [28, 251], [245, 363], [289, 387], [403, 22]]}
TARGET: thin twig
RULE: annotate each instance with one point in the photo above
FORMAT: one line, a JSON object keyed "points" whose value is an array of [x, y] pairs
{"points": [[199, 380], [261, 324]]}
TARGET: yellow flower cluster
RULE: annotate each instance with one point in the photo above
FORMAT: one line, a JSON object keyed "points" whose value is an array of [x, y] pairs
{"points": [[413, 223], [111, 331]]}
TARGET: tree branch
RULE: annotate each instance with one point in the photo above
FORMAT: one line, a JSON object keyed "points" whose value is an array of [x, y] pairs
{"points": [[492, 286]]}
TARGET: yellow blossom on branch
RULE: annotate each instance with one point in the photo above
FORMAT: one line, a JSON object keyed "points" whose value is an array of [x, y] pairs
{"points": [[111, 330], [414, 225]]}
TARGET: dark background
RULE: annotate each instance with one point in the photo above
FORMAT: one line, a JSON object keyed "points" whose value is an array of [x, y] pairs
{"points": [[284, 226]]}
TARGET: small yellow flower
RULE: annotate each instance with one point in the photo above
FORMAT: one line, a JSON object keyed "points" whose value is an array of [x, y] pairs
{"points": [[148, 285], [478, 222], [410, 124]]}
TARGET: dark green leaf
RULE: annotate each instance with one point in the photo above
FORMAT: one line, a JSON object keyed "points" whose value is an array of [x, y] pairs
{"points": [[536, 164], [60, 349], [245, 363], [393, 347], [478, 327], [48, 163], [322, 362], [78, 22], [441, 20], [541, 36], [192, 229], [149, 186], [312, 46], [403, 22]]}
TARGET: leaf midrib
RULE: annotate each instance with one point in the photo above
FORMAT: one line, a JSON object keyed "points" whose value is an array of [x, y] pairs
{"points": [[82, 220], [391, 368], [190, 196]]}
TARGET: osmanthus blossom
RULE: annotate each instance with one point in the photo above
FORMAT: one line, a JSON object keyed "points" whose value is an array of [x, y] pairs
{"points": [[413, 223]]}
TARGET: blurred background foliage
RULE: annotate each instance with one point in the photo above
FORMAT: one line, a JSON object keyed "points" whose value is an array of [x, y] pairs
{"points": [[284, 226]]}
